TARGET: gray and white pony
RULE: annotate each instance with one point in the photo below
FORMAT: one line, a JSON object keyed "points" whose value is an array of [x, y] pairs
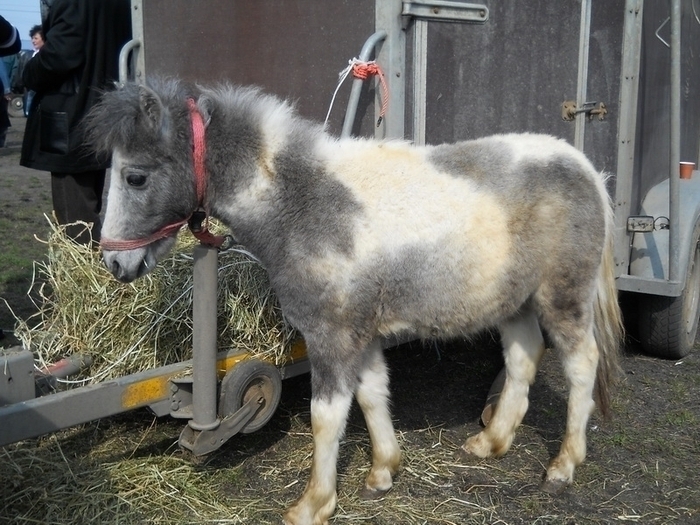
{"points": [[363, 239]]}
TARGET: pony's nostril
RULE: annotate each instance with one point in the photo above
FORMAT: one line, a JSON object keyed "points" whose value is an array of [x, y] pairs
{"points": [[115, 268]]}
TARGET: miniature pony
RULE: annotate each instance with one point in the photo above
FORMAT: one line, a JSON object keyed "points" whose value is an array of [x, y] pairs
{"points": [[363, 239]]}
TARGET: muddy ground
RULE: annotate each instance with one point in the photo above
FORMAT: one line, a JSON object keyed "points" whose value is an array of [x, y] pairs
{"points": [[642, 465]]}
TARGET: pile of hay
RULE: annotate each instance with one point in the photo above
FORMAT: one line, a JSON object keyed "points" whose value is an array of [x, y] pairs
{"points": [[127, 328]]}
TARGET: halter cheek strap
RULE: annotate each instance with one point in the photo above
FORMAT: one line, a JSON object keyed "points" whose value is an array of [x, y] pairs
{"points": [[197, 219], [115, 245]]}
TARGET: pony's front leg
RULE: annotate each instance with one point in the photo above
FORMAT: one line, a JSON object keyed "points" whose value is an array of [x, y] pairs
{"points": [[373, 397], [523, 346], [328, 419]]}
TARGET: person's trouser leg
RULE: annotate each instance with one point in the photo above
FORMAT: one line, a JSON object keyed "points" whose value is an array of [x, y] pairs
{"points": [[4, 120], [78, 197]]}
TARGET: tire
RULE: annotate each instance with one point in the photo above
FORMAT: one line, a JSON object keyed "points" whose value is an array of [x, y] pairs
{"points": [[668, 325], [247, 379], [15, 107]]}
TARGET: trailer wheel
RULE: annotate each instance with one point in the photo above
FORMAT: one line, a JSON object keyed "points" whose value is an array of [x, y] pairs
{"points": [[668, 325], [251, 378], [16, 106]]}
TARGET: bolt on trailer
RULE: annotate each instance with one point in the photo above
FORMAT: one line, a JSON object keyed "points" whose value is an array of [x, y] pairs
{"points": [[616, 78]]}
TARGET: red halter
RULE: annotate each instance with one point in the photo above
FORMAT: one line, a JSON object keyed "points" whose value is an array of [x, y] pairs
{"points": [[198, 219]]}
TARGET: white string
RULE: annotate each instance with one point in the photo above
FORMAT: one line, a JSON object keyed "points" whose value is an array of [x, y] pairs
{"points": [[244, 252], [341, 78]]}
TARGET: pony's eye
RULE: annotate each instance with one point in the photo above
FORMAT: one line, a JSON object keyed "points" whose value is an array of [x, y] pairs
{"points": [[135, 179]]}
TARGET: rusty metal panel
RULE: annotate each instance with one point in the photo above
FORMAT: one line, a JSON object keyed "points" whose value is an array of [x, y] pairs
{"points": [[293, 48]]}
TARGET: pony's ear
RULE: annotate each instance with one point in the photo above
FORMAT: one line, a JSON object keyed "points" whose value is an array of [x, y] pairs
{"points": [[151, 108]]}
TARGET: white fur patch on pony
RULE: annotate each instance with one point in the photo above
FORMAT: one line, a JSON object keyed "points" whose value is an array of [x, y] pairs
{"points": [[407, 202], [115, 221]]}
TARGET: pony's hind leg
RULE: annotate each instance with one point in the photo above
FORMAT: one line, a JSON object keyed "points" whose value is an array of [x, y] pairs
{"points": [[523, 346], [373, 397], [580, 361]]}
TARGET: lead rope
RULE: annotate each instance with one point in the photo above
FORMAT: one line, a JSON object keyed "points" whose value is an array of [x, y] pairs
{"points": [[362, 70]]}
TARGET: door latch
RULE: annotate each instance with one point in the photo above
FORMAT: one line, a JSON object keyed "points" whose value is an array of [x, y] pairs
{"points": [[569, 110]]}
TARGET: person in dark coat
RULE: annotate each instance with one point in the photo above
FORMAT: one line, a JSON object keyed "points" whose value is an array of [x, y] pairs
{"points": [[10, 41], [10, 44], [79, 60]]}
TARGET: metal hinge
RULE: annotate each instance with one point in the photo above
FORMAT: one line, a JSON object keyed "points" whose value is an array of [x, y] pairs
{"points": [[444, 11]]}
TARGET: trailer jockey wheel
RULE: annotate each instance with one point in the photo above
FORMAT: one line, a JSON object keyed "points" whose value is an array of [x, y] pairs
{"points": [[15, 107], [248, 380]]}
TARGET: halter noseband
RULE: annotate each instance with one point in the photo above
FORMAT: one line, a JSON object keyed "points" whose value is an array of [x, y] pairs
{"points": [[198, 218]]}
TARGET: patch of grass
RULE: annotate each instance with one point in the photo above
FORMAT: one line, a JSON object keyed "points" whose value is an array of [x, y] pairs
{"points": [[653, 472], [18, 254], [679, 390], [681, 418], [17, 258], [531, 506], [16, 268], [621, 438], [648, 381]]}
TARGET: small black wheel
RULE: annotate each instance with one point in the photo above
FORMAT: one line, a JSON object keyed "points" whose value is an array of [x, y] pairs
{"points": [[668, 325], [251, 379], [16, 106]]}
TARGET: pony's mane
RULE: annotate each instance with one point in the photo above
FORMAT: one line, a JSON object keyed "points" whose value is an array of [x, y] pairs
{"points": [[118, 121], [277, 119]]}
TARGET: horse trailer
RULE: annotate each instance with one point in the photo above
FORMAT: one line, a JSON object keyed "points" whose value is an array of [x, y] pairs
{"points": [[618, 79]]}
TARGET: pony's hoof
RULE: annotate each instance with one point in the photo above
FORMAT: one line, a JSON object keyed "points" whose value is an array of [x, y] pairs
{"points": [[465, 457], [368, 493], [554, 486], [299, 515], [286, 521]]}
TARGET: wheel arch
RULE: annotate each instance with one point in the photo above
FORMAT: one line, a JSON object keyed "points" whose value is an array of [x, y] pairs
{"points": [[649, 257]]}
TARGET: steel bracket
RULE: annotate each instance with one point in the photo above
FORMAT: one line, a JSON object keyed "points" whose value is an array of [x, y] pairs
{"points": [[640, 224], [181, 397], [16, 376], [444, 11], [201, 442]]}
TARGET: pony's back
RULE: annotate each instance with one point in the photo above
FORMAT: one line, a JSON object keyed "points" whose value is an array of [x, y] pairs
{"points": [[500, 216]]}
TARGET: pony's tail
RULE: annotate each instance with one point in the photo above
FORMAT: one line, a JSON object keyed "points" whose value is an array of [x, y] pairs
{"points": [[608, 326]]}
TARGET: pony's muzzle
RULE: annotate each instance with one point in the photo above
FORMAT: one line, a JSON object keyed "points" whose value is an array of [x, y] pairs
{"points": [[126, 266], [115, 268]]}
